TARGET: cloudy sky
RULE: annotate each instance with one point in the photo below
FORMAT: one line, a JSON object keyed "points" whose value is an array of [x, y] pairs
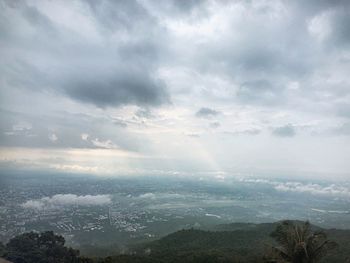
{"points": [[176, 87]]}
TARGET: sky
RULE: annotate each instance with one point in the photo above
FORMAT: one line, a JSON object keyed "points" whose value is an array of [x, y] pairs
{"points": [[172, 87]]}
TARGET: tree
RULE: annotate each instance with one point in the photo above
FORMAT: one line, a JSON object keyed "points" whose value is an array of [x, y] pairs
{"points": [[39, 248], [299, 244], [2, 249]]}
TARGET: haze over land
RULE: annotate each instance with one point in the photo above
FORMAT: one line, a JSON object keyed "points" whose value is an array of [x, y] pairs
{"points": [[101, 212], [178, 87]]}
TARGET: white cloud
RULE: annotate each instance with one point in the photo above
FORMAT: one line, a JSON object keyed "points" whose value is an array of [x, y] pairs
{"points": [[107, 144], [319, 26], [334, 190], [60, 200], [148, 196], [253, 180], [105, 82], [22, 126], [84, 136], [53, 137], [298, 187], [154, 196]]}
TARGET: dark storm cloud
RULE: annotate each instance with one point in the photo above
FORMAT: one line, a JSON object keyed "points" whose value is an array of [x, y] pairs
{"points": [[36, 19], [312, 7], [264, 58], [121, 88], [132, 75], [262, 55], [45, 55], [111, 56], [206, 113], [340, 25], [24, 28], [284, 131], [186, 5], [339, 21], [121, 15], [117, 64], [180, 8]]}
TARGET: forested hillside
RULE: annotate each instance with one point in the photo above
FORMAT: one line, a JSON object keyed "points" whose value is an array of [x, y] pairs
{"points": [[236, 242]]}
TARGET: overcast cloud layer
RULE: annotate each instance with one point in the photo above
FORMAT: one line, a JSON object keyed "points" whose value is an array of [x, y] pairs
{"points": [[133, 87]]}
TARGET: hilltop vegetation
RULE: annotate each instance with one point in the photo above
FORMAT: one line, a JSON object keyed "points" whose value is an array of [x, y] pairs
{"points": [[236, 243], [223, 243], [40, 248]]}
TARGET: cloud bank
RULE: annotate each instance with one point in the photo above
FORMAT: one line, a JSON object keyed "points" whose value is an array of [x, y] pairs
{"points": [[159, 79], [335, 190], [61, 200], [332, 190]]}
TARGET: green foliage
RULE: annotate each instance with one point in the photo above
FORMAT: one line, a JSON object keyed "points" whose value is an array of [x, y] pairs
{"points": [[2, 249], [129, 259], [226, 244], [299, 244], [39, 248], [209, 246]]}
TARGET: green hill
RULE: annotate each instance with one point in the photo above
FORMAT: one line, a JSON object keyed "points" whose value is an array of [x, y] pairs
{"points": [[236, 242]]}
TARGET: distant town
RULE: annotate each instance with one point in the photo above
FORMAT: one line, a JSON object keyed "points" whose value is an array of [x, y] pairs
{"points": [[94, 210]]}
